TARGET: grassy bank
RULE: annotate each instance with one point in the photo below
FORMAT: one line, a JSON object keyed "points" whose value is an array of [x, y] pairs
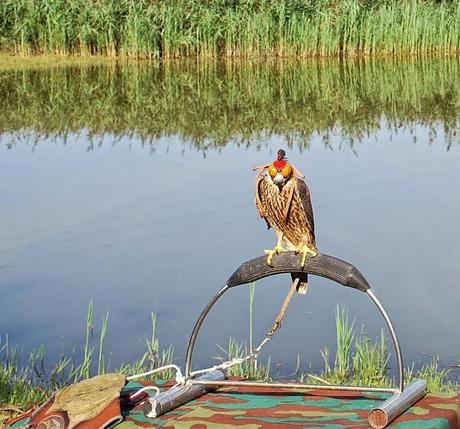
{"points": [[357, 360], [212, 103], [244, 28], [26, 381]]}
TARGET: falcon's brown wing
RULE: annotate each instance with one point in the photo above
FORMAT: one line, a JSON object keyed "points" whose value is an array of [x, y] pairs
{"points": [[260, 197], [304, 196]]}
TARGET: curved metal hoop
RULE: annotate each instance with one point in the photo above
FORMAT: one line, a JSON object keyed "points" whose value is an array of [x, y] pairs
{"points": [[322, 265]]}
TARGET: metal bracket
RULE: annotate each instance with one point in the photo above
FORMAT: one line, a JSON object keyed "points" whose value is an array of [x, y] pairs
{"points": [[340, 272]]}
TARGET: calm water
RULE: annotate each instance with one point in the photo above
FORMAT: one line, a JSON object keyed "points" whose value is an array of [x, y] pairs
{"points": [[133, 186]]}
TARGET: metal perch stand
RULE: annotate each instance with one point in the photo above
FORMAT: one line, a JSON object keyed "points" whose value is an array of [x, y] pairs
{"points": [[343, 273]]}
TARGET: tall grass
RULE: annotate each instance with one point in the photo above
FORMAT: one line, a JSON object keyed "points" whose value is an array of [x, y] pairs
{"points": [[362, 362], [216, 28], [26, 383], [249, 368], [210, 104], [358, 361]]}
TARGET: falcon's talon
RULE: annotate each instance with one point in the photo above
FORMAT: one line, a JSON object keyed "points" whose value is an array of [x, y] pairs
{"points": [[271, 252], [306, 251], [304, 259]]}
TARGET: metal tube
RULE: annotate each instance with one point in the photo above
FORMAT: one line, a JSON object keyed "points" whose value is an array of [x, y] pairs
{"points": [[196, 329], [295, 386], [179, 395], [393, 336], [393, 407]]}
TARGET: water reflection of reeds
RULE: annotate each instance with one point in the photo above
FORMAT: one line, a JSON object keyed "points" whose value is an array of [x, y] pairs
{"points": [[213, 103]]}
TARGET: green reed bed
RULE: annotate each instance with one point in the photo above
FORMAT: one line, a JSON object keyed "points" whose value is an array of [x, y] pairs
{"points": [[213, 103], [246, 28]]}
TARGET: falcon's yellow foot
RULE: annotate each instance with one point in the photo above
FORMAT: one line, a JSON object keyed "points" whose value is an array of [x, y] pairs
{"points": [[306, 251], [270, 252]]}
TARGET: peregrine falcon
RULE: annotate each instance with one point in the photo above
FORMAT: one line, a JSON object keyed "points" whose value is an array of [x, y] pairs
{"points": [[283, 201]]}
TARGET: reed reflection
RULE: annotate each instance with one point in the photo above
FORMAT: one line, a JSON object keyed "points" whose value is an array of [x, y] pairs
{"points": [[211, 104]]}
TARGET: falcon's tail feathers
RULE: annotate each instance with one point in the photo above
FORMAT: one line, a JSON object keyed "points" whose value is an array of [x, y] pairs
{"points": [[302, 287]]}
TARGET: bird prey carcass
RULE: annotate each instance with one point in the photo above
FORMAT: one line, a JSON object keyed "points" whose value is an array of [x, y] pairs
{"points": [[283, 201]]}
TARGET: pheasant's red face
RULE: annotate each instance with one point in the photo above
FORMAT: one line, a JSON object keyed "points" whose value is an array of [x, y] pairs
{"points": [[280, 171]]}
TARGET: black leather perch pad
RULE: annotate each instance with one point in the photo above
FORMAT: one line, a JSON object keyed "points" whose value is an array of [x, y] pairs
{"points": [[289, 262]]}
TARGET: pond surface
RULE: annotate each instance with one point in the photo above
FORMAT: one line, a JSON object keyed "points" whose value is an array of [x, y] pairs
{"points": [[131, 185]]}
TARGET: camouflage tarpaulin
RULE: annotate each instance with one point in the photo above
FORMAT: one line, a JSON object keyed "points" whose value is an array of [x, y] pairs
{"points": [[254, 408]]}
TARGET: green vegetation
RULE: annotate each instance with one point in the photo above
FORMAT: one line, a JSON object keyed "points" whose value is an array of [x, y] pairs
{"points": [[357, 361], [26, 383], [211, 104], [361, 362], [250, 368], [228, 28]]}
